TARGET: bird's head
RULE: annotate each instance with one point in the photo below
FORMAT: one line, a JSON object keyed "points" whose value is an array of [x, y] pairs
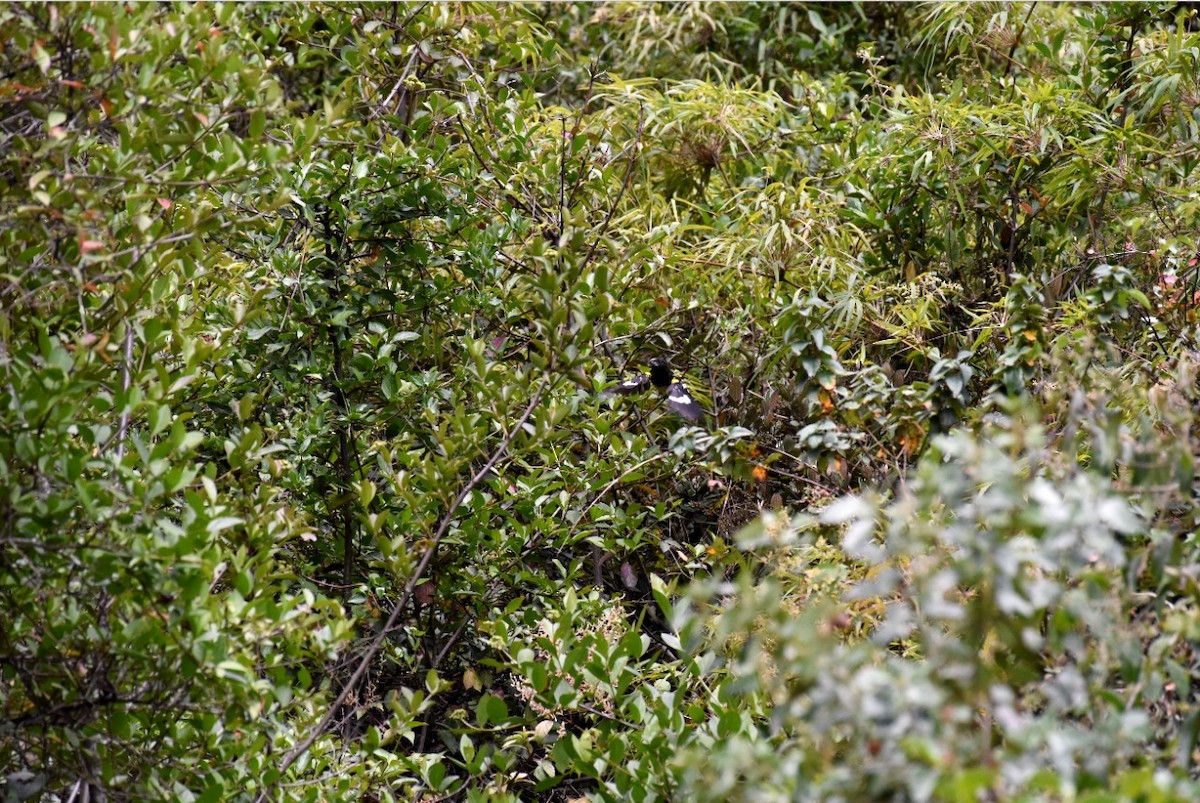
{"points": [[660, 372]]}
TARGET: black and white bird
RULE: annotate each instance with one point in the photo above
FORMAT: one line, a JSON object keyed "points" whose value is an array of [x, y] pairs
{"points": [[678, 397]]}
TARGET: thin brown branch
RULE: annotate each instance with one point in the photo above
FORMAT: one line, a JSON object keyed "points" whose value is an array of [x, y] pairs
{"points": [[612, 209], [376, 644], [126, 379]]}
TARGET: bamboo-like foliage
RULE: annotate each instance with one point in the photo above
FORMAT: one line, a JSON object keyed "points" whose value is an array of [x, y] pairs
{"points": [[314, 486]]}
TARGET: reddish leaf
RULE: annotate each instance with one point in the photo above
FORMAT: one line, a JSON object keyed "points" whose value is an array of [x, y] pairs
{"points": [[628, 576], [425, 592]]}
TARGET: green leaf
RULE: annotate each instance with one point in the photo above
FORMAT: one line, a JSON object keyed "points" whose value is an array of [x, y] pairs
{"points": [[466, 748], [223, 523], [258, 123], [496, 709], [160, 417]]}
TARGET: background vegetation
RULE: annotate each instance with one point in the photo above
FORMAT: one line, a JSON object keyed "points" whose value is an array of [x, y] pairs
{"points": [[310, 488]]}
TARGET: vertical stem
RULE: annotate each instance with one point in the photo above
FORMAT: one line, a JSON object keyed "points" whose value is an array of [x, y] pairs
{"points": [[348, 530], [344, 465], [126, 381]]}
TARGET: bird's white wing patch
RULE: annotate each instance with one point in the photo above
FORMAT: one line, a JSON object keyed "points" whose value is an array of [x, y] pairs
{"points": [[632, 385], [681, 401]]}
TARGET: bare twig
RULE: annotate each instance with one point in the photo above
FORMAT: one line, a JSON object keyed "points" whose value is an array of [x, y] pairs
{"points": [[404, 74], [126, 379], [616, 481], [612, 209], [377, 643], [1016, 42]]}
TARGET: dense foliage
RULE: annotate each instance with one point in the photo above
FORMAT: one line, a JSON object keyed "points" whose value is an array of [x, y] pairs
{"points": [[312, 483]]}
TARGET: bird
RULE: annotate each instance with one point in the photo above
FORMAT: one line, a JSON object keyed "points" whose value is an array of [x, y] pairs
{"points": [[662, 377]]}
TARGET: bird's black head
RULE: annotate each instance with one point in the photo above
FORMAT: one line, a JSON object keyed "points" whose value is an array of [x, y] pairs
{"points": [[660, 372]]}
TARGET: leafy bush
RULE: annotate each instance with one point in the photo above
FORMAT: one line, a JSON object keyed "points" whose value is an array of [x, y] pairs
{"points": [[315, 486]]}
